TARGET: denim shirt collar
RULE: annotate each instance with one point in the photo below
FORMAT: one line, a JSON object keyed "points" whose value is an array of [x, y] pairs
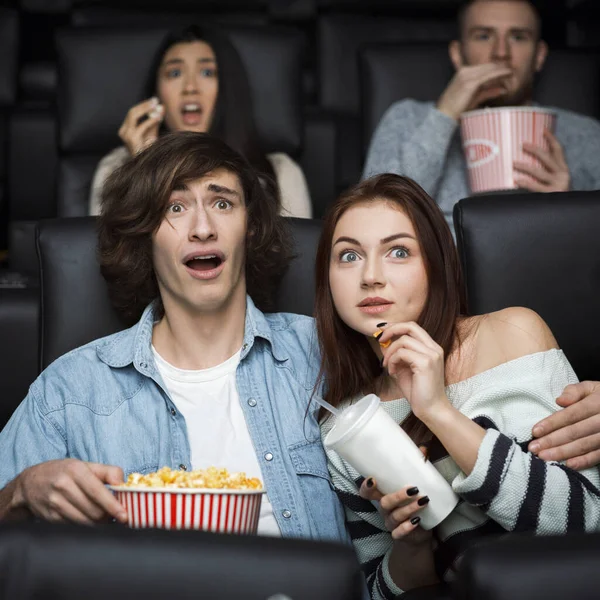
{"points": [[134, 345]]}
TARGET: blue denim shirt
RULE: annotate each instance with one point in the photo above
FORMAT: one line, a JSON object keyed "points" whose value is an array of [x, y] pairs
{"points": [[106, 402]]}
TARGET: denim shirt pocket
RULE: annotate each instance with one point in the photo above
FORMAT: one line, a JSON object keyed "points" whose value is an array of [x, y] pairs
{"points": [[142, 469], [322, 504]]}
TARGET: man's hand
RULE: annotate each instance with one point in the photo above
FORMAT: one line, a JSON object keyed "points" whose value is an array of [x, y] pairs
{"points": [[69, 490], [572, 434], [472, 86], [552, 176]]}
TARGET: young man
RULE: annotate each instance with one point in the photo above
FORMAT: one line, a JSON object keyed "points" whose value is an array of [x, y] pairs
{"points": [[188, 242], [496, 58]]}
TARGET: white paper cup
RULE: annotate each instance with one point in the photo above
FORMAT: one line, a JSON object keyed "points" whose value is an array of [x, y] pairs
{"points": [[493, 140], [220, 511], [376, 446]]}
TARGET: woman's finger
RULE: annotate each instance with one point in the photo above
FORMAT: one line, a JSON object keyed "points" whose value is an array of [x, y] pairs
{"points": [[410, 343], [368, 490], [409, 328], [399, 499], [135, 113], [406, 528]]}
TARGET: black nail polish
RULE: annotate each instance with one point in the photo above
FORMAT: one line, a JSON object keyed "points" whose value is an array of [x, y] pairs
{"points": [[370, 482], [413, 491], [381, 324], [415, 520], [423, 501], [378, 335]]}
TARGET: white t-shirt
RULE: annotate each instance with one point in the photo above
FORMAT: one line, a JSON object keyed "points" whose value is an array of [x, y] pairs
{"points": [[209, 401]]}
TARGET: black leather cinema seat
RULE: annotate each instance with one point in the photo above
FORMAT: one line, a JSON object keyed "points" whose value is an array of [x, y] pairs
{"points": [[75, 304], [541, 251], [102, 73], [392, 72], [527, 568], [340, 39], [116, 563]]}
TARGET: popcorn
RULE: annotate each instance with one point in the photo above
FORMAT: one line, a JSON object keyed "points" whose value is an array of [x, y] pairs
{"points": [[211, 478]]}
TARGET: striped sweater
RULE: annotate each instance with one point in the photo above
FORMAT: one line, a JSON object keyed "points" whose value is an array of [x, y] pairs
{"points": [[509, 489]]}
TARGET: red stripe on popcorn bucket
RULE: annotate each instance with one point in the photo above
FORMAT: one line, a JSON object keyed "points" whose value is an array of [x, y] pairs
{"points": [[222, 511], [493, 140]]}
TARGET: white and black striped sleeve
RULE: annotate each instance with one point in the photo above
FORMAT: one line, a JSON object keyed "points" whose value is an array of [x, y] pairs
{"points": [[523, 493]]}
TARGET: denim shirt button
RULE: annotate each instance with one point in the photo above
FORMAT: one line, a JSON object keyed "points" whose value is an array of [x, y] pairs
{"points": [[286, 514], [252, 402], [268, 456], [173, 412], [244, 346], [182, 467], [143, 365]]}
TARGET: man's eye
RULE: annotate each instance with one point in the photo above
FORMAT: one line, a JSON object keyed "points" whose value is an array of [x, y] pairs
{"points": [[175, 208], [348, 256], [223, 204]]}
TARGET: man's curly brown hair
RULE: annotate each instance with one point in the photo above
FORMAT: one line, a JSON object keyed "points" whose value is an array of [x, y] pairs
{"points": [[134, 202]]}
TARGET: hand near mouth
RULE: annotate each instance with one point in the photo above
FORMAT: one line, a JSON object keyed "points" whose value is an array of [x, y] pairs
{"points": [[416, 362]]}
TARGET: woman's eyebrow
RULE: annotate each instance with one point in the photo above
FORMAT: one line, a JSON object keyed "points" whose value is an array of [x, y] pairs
{"points": [[396, 236]]}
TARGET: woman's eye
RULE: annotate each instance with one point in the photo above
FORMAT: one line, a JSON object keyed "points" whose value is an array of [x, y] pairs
{"points": [[348, 256], [172, 73], [399, 253], [208, 72]]}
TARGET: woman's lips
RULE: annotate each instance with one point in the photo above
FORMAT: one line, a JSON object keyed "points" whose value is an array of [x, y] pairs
{"points": [[374, 309]]}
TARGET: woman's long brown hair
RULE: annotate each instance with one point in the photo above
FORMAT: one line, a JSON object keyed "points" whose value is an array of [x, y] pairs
{"points": [[349, 366]]}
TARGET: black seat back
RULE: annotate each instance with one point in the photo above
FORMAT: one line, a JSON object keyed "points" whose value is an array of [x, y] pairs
{"points": [[116, 563], [526, 567], [541, 251]]}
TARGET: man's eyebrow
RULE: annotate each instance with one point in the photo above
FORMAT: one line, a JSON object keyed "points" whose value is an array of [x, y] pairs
{"points": [[181, 187], [385, 240], [221, 189]]}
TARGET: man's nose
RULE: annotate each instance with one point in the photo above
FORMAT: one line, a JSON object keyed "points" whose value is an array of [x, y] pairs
{"points": [[202, 227], [501, 49]]}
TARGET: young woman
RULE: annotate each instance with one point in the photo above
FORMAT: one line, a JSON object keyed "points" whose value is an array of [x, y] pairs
{"points": [[391, 317], [198, 83]]}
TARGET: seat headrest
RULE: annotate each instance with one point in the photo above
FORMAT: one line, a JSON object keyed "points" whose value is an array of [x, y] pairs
{"points": [[76, 308], [9, 55], [539, 251], [340, 39], [102, 73], [391, 72]]}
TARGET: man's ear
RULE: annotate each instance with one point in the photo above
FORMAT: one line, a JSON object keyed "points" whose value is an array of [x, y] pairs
{"points": [[541, 55], [455, 53]]}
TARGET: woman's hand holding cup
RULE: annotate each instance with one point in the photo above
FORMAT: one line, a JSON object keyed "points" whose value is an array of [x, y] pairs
{"points": [[137, 134], [400, 511], [416, 362]]}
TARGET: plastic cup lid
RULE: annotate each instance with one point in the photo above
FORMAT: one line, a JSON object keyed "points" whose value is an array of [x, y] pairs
{"points": [[352, 420]]}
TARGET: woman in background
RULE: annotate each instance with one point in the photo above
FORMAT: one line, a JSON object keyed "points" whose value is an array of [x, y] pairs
{"points": [[198, 83]]}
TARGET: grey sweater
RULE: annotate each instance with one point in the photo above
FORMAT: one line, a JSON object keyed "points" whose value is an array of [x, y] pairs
{"points": [[417, 140]]}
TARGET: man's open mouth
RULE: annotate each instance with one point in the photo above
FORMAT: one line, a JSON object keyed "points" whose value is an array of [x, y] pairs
{"points": [[206, 262]]}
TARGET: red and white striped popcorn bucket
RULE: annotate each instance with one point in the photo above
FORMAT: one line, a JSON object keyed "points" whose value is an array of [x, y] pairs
{"points": [[217, 510], [493, 140]]}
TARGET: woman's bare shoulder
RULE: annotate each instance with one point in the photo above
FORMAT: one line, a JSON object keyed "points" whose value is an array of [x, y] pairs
{"points": [[515, 332]]}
